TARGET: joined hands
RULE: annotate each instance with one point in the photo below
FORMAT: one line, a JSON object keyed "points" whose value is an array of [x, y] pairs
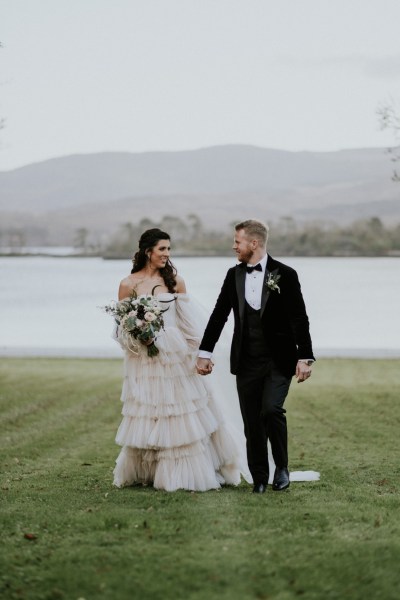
{"points": [[204, 366]]}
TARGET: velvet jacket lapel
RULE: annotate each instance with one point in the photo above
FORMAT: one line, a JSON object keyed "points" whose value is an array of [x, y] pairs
{"points": [[266, 292], [240, 278]]}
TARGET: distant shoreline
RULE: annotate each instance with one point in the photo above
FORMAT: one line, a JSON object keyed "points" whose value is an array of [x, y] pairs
{"points": [[189, 255], [101, 353]]}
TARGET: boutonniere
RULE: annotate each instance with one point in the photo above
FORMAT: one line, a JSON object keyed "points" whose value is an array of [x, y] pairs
{"points": [[272, 282]]}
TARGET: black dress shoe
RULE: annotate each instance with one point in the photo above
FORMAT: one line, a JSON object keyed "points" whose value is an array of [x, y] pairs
{"points": [[259, 488], [281, 479]]}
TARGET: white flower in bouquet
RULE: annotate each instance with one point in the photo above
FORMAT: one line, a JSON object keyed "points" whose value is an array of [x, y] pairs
{"points": [[150, 316]]}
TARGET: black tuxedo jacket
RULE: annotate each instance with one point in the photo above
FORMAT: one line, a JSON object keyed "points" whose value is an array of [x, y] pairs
{"points": [[283, 317]]}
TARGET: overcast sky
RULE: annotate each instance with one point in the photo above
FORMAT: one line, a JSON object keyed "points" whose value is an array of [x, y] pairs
{"points": [[79, 76]]}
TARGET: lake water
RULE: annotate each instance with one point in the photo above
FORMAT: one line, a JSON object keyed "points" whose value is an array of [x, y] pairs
{"points": [[50, 305]]}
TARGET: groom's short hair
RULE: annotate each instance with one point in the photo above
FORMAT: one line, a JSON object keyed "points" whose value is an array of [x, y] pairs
{"points": [[254, 229]]}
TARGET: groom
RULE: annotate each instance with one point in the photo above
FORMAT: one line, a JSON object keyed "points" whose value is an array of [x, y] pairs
{"points": [[271, 343]]}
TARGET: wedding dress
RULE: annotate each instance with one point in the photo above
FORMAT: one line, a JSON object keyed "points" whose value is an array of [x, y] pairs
{"points": [[172, 433]]}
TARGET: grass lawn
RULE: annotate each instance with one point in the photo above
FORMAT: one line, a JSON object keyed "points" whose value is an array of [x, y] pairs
{"points": [[66, 533]]}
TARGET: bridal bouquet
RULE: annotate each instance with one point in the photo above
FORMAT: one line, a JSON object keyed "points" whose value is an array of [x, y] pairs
{"points": [[138, 318]]}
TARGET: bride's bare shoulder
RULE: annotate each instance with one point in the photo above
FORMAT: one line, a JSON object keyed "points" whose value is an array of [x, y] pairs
{"points": [[127, 285]]}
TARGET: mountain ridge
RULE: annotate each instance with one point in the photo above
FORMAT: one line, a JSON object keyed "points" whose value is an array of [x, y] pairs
{"points": [[92, 178]]}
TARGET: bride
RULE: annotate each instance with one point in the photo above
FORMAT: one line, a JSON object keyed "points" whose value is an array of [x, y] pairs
{"points": [[173, 435]]}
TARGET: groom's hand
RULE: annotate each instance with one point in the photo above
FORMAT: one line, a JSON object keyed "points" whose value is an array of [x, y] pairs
{"points": [[204, 366], [303, 371]]}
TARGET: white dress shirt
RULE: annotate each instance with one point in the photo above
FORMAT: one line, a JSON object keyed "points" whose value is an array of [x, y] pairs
{"points": [[254, 284]]}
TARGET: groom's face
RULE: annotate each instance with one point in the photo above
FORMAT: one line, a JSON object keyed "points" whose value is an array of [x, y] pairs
{"points": [[243, 247]]}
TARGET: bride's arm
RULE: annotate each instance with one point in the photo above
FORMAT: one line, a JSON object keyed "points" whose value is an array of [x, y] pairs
{"points": [[187, 316], [180, 285]]}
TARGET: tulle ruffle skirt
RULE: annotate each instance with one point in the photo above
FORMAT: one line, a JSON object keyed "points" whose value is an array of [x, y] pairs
{"points": [[172, 434]]}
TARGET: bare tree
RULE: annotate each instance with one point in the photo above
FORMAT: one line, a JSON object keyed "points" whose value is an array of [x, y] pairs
{"points": [[80, 239], [16, 239], [389, 118], [2, 121]]}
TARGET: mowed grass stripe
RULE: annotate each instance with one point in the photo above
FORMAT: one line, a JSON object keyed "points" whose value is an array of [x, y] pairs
{"points": [[63, 408]]}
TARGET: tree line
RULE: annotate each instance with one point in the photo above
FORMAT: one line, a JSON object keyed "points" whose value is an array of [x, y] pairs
{"points": [[367, 237], [190, 237]]}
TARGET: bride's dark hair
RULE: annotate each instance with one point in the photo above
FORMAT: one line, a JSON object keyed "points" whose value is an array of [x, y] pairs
{"points": [[147, 241]]}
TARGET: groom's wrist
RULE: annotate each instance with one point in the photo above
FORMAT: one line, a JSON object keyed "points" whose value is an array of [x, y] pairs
{"points": [[307, 361], [204, 354]]}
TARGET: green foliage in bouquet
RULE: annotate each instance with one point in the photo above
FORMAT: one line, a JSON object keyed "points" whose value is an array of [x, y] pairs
{"points": [[138, 318]]}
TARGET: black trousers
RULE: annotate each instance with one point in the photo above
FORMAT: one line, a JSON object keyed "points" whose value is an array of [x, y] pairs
{"points": [[262, 391]]}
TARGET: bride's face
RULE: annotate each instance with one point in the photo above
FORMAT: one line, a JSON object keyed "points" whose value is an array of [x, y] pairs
{"points": [[160, 254]]}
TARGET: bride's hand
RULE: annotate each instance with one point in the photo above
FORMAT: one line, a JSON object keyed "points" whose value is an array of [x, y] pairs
{"points": [[147, 342]]}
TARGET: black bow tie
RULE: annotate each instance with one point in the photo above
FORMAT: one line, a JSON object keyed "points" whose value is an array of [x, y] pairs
{"points": [[256, 268]]}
